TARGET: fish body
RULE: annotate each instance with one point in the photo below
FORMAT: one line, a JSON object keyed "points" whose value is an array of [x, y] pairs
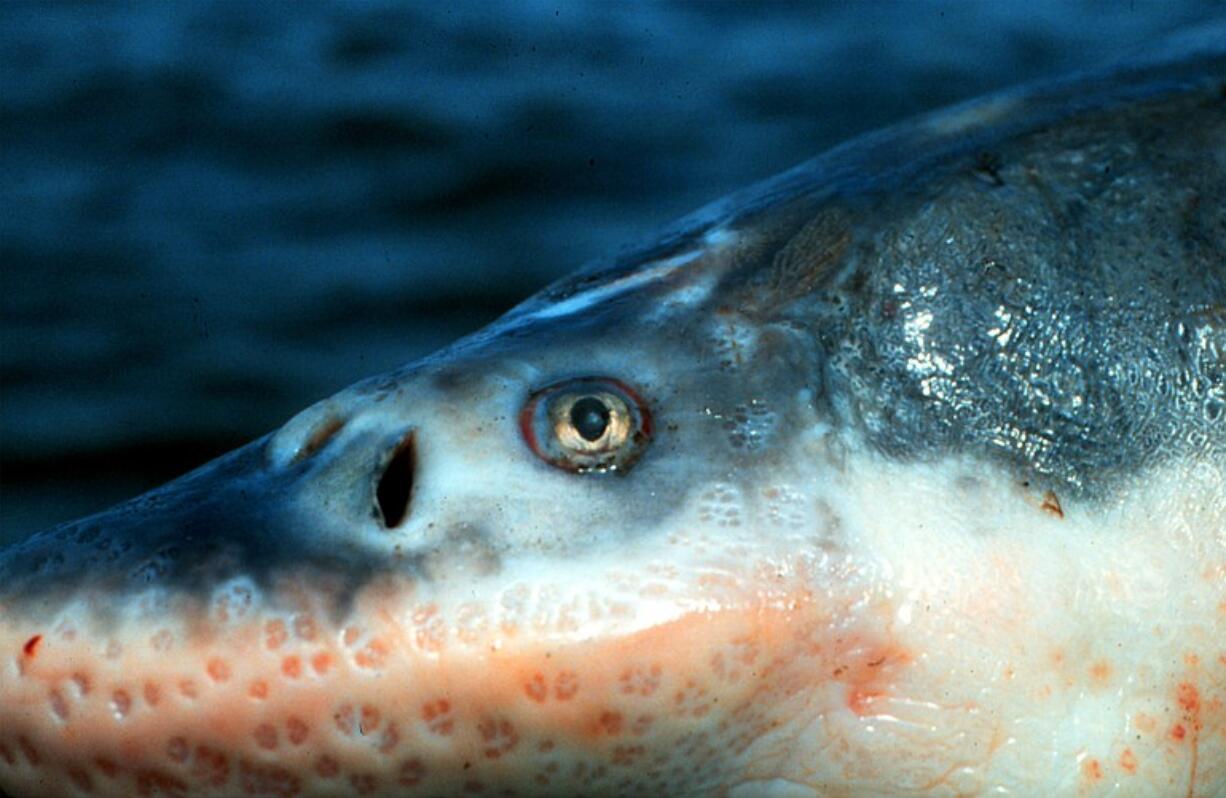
{"points": [[901, 473]]}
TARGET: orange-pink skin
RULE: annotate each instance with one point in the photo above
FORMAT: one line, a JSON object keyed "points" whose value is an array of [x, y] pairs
{"points": [[290, 704], [237, 701]]}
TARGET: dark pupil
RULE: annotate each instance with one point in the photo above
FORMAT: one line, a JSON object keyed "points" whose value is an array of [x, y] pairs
{"points": [[590, 417]]}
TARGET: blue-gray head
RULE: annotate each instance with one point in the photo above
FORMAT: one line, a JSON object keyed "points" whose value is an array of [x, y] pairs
{"points": [[901, 473]]}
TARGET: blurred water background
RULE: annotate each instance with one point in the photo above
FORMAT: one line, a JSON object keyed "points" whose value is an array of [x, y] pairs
{"points": [[214, 213]]}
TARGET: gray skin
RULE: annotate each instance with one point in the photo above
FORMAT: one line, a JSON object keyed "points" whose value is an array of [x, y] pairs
{"points": [[1069, 271], [1036, 282]]}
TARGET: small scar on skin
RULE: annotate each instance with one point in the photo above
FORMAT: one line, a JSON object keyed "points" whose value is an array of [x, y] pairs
{"points": [[1051, 504], [1189, 697], [31, 646]]}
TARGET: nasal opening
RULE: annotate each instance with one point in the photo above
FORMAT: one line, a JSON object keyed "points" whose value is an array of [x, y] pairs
{"points": [[395, 487]]}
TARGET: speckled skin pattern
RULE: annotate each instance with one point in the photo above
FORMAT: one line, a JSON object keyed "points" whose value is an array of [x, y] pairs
{"points": [[935, 504]]}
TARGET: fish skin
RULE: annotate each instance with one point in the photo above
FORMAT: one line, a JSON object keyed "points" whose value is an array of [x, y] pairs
{"points": [[935, 504]]}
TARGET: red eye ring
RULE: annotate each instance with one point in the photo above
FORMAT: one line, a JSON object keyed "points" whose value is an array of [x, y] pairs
{"points": [[624, 428]]}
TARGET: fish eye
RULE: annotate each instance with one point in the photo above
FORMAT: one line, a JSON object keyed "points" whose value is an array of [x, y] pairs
{"points": [[592, 424], [590, 417]]}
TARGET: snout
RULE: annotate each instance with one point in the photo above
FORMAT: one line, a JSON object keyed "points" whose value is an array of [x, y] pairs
{"points": [[178, 643], [327, 612], [244, 516]]}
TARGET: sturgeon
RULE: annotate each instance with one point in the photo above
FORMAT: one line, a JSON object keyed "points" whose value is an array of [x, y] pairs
{"points": [[902, 473]]}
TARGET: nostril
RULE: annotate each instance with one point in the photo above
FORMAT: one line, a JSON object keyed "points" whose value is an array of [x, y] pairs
{"points": [[395, 484], [323, 432]]}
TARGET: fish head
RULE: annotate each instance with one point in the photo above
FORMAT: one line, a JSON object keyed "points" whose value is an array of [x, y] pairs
{"points": [[903, 473], [578, 551]]}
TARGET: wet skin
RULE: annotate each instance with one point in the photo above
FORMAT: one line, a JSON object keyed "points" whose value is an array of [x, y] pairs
{"points": [[922, 490]]}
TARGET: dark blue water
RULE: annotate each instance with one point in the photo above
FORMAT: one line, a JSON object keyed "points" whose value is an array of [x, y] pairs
{"points": [[212, 214]]}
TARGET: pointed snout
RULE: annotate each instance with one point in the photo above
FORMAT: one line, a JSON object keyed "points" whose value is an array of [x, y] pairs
{"points": [[319, 496]]}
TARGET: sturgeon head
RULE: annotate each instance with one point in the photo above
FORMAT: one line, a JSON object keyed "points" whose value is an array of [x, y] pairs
{"points": [[900, 474]]}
